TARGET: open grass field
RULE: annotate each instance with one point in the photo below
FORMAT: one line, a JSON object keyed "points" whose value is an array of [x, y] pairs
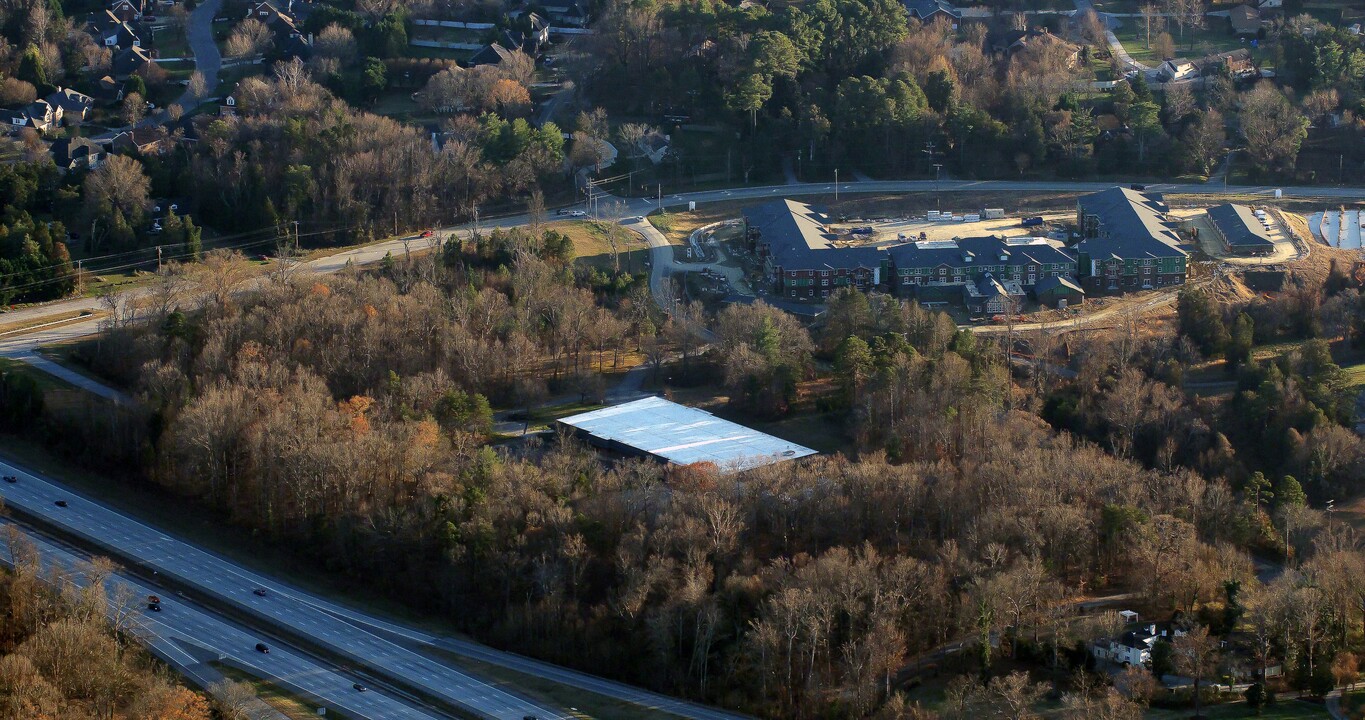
{"points": [[593, 249], [1198, 42]]}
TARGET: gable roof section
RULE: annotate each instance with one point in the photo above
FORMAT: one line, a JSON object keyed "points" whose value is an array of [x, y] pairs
{"points": [[924, 9], [1132, 226], [1240, 226], [798, 239], [984, 250], [1055, 282]]}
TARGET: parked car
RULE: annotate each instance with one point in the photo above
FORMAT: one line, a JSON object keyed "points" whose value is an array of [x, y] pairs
{"points": [[577, 213], [1138, 187]]}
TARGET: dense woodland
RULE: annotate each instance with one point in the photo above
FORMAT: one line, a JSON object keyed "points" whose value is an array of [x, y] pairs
{"points": [[61, 656], [853, 82], [348, 417]]}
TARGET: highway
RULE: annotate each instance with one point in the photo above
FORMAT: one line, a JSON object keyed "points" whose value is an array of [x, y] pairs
{"points": [[284, 610], [382, 646], [188, 638]]}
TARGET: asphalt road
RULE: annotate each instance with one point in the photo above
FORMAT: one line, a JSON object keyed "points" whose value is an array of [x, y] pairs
{"points": [[188, 638], [207, 60], [283, 609]]}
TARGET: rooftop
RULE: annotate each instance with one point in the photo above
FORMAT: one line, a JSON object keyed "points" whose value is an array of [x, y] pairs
{"points": [[1133, 225], [1239, 226], [682, 435]]}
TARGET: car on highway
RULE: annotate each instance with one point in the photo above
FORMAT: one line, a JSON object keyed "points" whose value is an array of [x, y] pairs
{"points": [[61, 503], [359, 687], [262, 648], [11, 479], [153, 603], [577, 213], [260, 592]]}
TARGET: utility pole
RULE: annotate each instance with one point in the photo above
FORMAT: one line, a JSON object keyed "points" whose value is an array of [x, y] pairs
{"points": [[296, 237], [661, 197], [937, 168], [80, 278], [836, 186], [158, 259]]}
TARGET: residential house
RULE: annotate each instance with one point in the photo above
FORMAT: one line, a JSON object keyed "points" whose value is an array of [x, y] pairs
{"points": [[290, 41], [926, 11], [800, 256], [113, 32], [228, 107], [1245, 21], [654, 146], [573, 13], [128, 61], [1240, 230], [1131, 648], [77, 154], [108, 91], [1126, 243], [39, 115], [128, 10], [1175, 70], [490, 54], [1233, 63], [1038, 41], [142, 141], [75, 106]]}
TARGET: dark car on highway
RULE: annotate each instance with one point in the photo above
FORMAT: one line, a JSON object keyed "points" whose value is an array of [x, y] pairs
{"points": [[11, 479], [61, 503], [259, 591], [261, 648], [359, 687]]}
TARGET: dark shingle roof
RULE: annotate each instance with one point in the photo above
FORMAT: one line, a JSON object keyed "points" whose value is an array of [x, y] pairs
{"points": [[1239, 226], [1053, 282], [923, 9], [797, 238], [1132, 225]]}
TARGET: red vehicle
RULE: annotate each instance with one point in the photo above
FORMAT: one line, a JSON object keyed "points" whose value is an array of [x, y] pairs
{"points": [[426, 234]]}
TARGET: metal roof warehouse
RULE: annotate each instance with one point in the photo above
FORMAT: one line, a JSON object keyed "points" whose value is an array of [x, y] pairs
{"points": [[680, 435]]}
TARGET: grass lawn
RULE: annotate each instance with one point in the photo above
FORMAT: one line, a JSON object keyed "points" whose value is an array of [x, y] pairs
{"points": [[1283, 710], [591, 248], [47, 383], [1196, 43]]}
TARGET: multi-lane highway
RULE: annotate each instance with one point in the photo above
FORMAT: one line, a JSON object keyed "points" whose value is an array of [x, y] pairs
{"points": [[384, 648], [189, 638], [260, 601]]}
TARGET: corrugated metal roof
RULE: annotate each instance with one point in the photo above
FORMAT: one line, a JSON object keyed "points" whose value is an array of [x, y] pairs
{"points": [[684, 435]]}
